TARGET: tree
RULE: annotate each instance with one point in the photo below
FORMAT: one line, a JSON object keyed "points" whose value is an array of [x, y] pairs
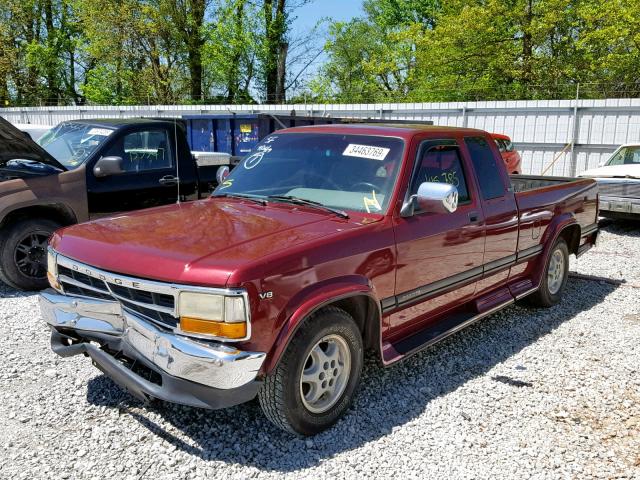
{"points": [[230, 52], [373, 58], [188, 18], [274, 49], [422, 50]]}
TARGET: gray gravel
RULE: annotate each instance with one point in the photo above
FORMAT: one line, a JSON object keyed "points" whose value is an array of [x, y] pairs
{"points": [[525, 393]]}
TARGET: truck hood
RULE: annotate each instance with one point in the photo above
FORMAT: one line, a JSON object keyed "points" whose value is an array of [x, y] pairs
{"points": [[200, 243], [614, 171], [15, 144]]}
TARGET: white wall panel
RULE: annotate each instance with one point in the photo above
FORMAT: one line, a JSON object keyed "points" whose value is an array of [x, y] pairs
{"points": [[540, 129]]}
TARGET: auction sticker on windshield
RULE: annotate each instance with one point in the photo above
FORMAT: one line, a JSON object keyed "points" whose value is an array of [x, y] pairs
{"points": [[366, 151], [103, 132]]}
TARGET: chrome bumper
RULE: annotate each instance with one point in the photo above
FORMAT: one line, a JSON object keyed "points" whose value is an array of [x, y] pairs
{"points": [[209, 364], [620, 204]]}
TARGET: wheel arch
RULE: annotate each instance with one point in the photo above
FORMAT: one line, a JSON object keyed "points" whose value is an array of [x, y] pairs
{"points": [[357, 299], [571, 234], [565, 227], [58, 212]]}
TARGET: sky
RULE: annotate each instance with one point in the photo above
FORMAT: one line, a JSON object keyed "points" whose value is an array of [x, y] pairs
{"points": [[342, 10], [308, 16]]}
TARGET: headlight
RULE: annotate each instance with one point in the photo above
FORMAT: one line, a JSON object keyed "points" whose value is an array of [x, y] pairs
{"points": [[52, 269], [213, 315]]}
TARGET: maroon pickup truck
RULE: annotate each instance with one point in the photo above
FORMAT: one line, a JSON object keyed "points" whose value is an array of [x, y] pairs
{"points": [[323, 242]]}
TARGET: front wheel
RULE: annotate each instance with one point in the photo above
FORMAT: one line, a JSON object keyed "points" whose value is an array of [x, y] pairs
{"points": [[554, 278], [23, 253], [314, 382]]}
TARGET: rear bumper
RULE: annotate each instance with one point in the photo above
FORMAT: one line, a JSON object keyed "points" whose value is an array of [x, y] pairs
{"points": [[150, 363], [628, 206]]}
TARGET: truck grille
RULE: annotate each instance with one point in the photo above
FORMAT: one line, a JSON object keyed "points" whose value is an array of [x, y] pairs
{"points": [[621, 189], [157, 306]]}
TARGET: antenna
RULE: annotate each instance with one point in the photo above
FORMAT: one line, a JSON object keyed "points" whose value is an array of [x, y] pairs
{"points": [[175, 136]]}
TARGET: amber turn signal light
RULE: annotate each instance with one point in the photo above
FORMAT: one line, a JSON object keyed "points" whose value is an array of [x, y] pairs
{"points": [[216, 329], [53, 281]]}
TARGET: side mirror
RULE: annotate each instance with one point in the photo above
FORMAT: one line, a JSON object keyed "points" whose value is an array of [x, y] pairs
{"points": [[107, 166], [222, 173], [602, 163], [432, 197]]}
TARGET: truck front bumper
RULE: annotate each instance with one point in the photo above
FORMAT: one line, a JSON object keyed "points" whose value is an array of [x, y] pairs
{"points": [[146, 361]]}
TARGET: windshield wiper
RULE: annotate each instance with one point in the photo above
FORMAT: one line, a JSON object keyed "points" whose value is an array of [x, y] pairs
{"points": [[258, 200], [310, 203]]}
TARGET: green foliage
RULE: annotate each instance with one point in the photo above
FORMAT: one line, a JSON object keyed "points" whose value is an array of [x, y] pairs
{"points": [[421, 50], [242, 51], [143, 51], [231, 51]]}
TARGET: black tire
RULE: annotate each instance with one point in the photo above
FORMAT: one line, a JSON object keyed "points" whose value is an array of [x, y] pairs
{"points": [[19, 268], [546, 296], [281, 396]]}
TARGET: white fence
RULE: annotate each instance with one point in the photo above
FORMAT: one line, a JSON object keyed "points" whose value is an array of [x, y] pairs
{"points": [[555, 137]]}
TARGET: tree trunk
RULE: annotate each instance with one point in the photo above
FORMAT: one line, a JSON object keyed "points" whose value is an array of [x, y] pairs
{"points": [[275, 29], [233, 76], [195, 72], [52, 84], [527, 45], [195, 41], [282, 72], [28, 93], [4, 88]]}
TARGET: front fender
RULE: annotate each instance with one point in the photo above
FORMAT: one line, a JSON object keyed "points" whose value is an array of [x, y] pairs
{"points": [[308, 301]]}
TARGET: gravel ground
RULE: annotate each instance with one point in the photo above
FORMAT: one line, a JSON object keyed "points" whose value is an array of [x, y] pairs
{"points": [[524, 393]]}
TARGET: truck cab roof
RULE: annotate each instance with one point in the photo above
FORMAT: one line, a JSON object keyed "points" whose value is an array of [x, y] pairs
{"points": [[117, 123], [402, 130]]}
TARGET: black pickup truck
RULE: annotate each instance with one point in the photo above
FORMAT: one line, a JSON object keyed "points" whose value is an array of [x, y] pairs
{"points": [[83, 169]]}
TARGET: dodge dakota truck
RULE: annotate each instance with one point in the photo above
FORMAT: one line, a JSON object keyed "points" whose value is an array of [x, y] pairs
{"points": [[325, 241], [84, 169]]}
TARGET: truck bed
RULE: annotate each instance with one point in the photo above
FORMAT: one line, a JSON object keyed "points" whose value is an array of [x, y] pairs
{"points": [[523, 183], [542, 200]]}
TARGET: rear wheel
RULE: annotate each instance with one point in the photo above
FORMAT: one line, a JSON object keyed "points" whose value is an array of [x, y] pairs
{"points": [[23, 253], [314, 382], [554, 279]]}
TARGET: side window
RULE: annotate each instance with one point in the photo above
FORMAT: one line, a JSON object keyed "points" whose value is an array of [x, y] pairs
{"points": [[508, 146], [143, 150], [625, 156], [485, 165], [501, 145], [442, 165]]}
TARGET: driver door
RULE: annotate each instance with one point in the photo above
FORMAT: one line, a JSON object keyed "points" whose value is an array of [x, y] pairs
{"points": [[439, 255], [149, 177]]}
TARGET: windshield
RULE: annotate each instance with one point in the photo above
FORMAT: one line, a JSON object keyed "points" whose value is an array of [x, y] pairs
{"points": [[626, 156], [351, 172], [72, 143]]}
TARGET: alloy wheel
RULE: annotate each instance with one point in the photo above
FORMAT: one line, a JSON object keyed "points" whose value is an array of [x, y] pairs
{"points": [[555, 273], [325, 374], [30, 255]]}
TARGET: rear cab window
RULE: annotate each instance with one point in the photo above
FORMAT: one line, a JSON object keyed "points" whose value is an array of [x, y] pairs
{"points": [[486, 167]]}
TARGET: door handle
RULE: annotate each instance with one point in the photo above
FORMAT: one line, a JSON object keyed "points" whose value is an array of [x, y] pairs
{"points": [[168, 180], [474, 217]]}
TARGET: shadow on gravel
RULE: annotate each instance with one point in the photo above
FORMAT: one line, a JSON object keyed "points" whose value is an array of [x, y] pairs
{"points": [[388, 398], [626, 228], [9, 292]]}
